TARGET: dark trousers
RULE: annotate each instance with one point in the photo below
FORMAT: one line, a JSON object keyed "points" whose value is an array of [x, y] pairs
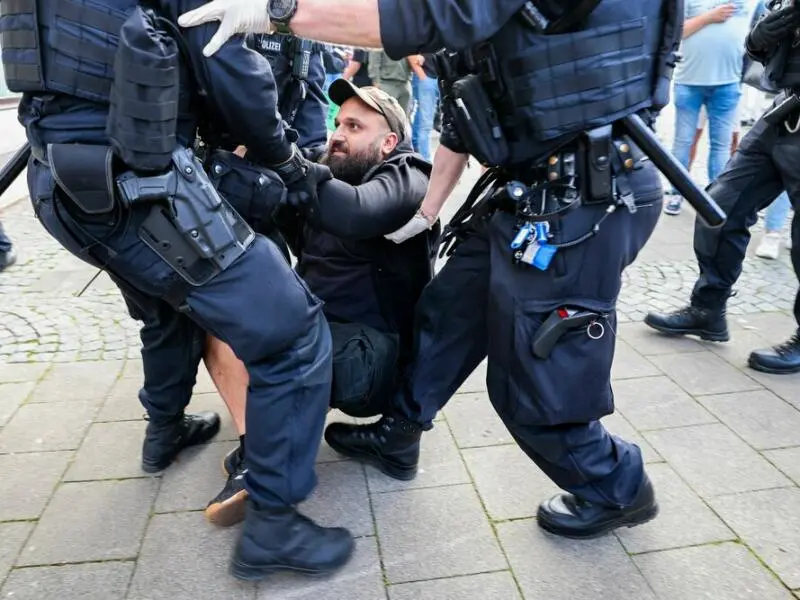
{"points": [[258, 306], [765, 164], [481, 304], [5, 242]]}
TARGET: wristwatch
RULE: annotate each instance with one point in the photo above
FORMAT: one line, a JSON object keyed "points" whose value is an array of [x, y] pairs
{"points": [[280, 13]]}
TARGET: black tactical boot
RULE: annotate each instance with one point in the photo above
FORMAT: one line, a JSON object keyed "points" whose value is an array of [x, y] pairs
{"points": [[709, 324], [163, 440], [391, 444], [275, 540], [778, 360], [569, 516]]}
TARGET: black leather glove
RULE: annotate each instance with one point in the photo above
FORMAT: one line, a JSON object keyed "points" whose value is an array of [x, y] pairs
{"points": [[301, 177], [772, 29]]}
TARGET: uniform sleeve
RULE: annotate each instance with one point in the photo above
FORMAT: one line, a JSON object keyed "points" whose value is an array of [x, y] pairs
{"points": [[420, 26], [241, 90], [370, 210]]}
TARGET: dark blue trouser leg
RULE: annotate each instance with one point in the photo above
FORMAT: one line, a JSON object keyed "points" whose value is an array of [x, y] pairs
{"points": [[5, 242], [172, 347], [749, 182], [262, 309], [450, 331]]}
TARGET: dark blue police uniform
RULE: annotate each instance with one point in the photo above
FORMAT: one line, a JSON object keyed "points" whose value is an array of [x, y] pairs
{"points": [[71, 58], [494, 298], [302, 102]]}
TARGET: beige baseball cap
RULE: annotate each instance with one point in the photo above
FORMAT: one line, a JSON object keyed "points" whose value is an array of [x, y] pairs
{"points": [[342, 90]]}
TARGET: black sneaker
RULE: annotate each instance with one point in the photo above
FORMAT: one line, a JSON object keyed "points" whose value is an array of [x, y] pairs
{"points": [[778, 360], [569, 516], [228, 507], [164, 440], [391, 444], [709, 324], [232, 460]]}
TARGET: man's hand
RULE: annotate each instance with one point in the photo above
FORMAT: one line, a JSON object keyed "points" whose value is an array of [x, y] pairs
{"points": [[721, 13], [302, 193], [772, 29], [235, 16]]}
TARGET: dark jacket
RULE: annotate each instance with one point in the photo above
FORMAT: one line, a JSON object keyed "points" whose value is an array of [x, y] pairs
{"points": [[346, 261]]}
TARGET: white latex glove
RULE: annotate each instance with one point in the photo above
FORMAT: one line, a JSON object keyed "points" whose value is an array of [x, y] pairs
{"points": [[415, 226], [235, 16]]}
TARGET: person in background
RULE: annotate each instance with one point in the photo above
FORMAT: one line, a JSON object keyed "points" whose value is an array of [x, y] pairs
{"points": [[777, 213], [392, 76], [7, 254], [425, 91]]}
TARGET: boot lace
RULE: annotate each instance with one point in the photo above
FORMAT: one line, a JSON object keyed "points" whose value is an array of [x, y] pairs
{"points": [[788, 347]]}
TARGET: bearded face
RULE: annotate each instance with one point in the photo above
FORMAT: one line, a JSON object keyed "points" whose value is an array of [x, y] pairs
{"points": [[349, 164]]}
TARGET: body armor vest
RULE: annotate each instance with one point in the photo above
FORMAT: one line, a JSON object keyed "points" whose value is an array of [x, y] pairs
{"points": [[548, 86], [61, 46]]}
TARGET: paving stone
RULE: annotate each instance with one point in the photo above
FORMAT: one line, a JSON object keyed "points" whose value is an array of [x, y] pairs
{"points": [[109, 451], [185, 558], [359, 579], [476, 382], [13, 536], [203, 383], [629, 364], [518, 491], [98, 581], [774, 326], [657, 403], [47, 426], [497, 586], [738, 349], [784, 386], [341, 499], [555, 568], [787, 460], [703, 373], [618, 425], [450, 535], [27, 481], [719, 571], [22, 373], [474, 422], [769, 522], [12, 395], [123, 403], [761, 418], [683, 519], [77, 381], [439, 464], [714, 461], [194, 479], [648, 342], [133, 369], [91, 521]]}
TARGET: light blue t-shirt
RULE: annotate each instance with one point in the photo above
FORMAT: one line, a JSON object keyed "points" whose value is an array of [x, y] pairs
{"points": [[714, 54]]}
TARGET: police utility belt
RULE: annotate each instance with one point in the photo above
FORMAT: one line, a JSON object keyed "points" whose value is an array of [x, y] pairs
{"points": [[590, 171], [189, 225]]}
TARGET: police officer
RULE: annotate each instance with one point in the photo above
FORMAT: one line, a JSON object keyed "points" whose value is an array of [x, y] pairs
{"points": [[113, 96], [299, 72], [533, 91], [764, 165]]}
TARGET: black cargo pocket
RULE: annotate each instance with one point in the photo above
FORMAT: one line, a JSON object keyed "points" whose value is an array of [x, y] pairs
{"points": [[353, 370], [573, 384]]}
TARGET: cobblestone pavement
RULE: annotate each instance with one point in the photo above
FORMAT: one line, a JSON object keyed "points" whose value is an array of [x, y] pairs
{"points": [[78, 519]]}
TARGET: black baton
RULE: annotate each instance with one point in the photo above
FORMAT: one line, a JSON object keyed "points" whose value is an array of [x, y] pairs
{"points": [[674, 171]]}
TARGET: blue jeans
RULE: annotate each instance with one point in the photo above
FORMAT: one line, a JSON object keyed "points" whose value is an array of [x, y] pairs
{"points": [[720, 102], [426, 94], [5, 242], [777, 213]]}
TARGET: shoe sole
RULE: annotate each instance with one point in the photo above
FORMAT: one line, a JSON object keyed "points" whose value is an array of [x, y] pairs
{"points": [[703, 334], [761, 369], [633, 520], [227, 513], [393, 471], [245, 572]]}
